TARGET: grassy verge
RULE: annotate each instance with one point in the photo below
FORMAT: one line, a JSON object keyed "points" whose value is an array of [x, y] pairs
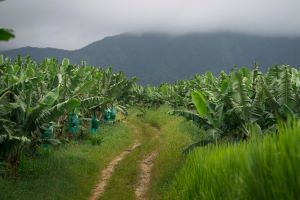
{"points": [[69, 172], [175, 134], [264, 168]]}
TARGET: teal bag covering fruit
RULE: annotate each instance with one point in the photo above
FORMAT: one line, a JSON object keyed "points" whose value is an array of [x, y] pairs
{"points": [[73, 123]]}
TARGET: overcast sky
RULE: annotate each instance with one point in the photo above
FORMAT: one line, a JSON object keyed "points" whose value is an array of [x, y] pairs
{"points": [[71, 24]]}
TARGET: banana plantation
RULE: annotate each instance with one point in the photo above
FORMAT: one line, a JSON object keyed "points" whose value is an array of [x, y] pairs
{"points": [[39, 97], [229, 105], [56, 106]]}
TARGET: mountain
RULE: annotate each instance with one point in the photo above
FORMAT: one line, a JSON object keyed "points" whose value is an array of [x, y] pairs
{"points": [[156, 58]]}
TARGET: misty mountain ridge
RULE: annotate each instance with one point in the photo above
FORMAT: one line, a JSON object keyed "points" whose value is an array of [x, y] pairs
{"points": [[156, 57]]}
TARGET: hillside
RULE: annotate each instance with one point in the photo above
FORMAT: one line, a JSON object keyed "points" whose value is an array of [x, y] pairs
{"points": [[156, 58]]}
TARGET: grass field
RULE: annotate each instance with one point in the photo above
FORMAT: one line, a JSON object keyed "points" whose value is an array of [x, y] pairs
{"points": [[263, 168], [176, 133], [71, 170], [157, 130], [68, 172]]}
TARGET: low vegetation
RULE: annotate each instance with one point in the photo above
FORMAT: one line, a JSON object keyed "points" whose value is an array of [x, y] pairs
{"points": [[230, 136], [262, 168], [175, 134], [68, 172]]}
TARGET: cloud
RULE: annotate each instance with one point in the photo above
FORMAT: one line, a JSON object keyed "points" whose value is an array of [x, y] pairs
{"points": [[72, 24]]}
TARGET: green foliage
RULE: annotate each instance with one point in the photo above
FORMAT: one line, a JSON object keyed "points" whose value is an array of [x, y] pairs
{"points": [[34, 94], [96, 139], [226, 105], [11, 148], [6, 34], [39, 102], [200, 103], [262, 168]]}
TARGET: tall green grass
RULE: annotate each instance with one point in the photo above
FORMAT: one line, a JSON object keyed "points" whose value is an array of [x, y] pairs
{"points": [[263, 168]]}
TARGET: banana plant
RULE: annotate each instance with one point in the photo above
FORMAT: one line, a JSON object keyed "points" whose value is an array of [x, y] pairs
{"points": [[33, 94], [231, 105]]}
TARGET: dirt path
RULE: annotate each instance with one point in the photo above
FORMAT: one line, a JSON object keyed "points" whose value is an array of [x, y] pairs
{"points": [[145, 165], [108, 171], [145, 176]]}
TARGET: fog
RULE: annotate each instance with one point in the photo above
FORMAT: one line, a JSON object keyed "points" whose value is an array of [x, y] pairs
{"points": [[71, 24]]}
